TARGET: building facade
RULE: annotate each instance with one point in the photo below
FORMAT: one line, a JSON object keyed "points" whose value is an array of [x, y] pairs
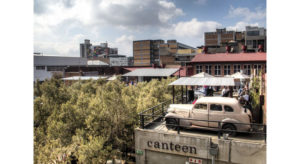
{"points": [[168, 52], [222, 37], [255, 37], [85, 50], [222, 64], [146, 52]]}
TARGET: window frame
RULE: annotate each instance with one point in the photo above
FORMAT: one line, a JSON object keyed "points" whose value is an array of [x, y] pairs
{"points": [[217, 70], [208, 70], [235, 70], [227, 70], [210, 108], [200, 108], [199, 69], [229, 107]]}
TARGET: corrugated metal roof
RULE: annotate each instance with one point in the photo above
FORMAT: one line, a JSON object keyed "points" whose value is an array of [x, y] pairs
{"points": [[155, 72], [209, 81], [230, 57], [84, 78], [59, 61]]}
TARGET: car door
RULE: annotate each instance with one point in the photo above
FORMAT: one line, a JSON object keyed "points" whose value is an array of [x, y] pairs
{"points": [[215, 113], [200, 112]]}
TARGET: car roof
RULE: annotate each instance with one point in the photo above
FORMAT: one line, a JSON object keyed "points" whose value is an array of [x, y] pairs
{"points": [[218, 100]]}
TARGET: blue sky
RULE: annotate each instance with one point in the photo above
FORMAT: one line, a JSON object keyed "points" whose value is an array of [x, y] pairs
{"points": [[61, 25]]}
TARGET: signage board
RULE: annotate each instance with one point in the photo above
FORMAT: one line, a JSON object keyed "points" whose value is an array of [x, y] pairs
{"points": [[195, 160], [139, 152]]}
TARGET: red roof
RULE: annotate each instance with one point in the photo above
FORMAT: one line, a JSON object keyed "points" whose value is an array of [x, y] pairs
{"points": [[182, 72], [230, 57]]}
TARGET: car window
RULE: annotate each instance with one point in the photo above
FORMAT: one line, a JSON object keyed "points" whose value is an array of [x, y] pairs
{"points": [[228, 108], [215, 107], [201, 106]]}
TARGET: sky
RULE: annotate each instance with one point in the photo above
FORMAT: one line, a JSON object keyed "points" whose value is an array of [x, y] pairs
{"points": [[61, 25]]}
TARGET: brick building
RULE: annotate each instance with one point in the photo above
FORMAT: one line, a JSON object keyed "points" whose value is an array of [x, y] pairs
{"points": [[146, 52], [221, 64], [222, 37]]}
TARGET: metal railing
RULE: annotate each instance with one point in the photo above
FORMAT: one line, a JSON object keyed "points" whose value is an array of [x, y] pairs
{"points": [[147, 119]]}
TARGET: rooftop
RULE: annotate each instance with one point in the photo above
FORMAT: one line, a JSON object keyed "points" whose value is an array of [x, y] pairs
{"points": [[230, 57], [59, 61], [152, 72]]}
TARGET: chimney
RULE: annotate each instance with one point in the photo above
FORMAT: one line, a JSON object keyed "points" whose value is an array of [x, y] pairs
{"points": [[228, 49], [244, 48], [260, 48], [204, 50]]}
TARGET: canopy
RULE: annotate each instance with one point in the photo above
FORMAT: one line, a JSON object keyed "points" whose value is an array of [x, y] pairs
{"points": [[203, 74], [208, 81], [239, 75], [155, 72]]}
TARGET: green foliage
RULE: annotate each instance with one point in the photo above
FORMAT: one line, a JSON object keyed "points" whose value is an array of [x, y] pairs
{"points": [[91, 121]]}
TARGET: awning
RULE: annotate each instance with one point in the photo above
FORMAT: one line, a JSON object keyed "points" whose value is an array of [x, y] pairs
{"points": [[208, 81], [155, 72]]}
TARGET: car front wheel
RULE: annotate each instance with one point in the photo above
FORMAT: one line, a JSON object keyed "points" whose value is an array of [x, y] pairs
{"points": [[171, 123]]}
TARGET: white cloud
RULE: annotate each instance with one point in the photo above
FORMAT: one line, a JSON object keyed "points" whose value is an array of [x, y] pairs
{"points": [[192, 29], [124, 44], [246, 14], [57, 21], [241, 26], [201, 2]]}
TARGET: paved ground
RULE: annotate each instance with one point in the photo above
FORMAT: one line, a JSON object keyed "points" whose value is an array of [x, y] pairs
{"points": [[253, 138]]}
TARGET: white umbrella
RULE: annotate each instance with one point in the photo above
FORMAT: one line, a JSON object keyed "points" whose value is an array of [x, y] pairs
{"points": [[239, 75], [202, 74]]}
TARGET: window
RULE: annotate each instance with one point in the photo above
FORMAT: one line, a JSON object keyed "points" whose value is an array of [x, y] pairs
{"points": [[228, 108], [217, 70], [236, 68], [215, 107], [226, 69], [247, 69], [257, 68], [249, 42], [208, 69], [265, 68], [201, 106], [55, 68], [40, 67], [252, 33], [198, 68]]}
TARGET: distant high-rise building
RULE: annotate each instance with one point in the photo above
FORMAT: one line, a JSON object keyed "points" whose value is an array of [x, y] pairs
{"points": [[146, 52], [255, 37], [222, 37], [85, 48]]}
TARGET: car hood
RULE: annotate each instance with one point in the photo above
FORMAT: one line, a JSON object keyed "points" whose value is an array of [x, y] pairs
{"points": [[180, 108]]}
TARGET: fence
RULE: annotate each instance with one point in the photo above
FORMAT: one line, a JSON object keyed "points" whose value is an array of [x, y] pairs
{"points": [[156, 115]]}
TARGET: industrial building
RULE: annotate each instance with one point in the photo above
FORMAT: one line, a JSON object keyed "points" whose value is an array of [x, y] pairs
{"points": [[255, 37], [221, 64], [46, 66], [148, 52]]}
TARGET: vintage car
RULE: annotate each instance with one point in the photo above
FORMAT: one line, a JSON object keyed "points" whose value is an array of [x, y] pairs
{"points": [[210, 110]]}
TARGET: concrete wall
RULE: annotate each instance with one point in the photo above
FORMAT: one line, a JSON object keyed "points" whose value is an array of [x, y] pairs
{"points": [[149, 142]]}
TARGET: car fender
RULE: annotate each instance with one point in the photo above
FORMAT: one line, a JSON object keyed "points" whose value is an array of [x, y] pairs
{"points": [[183, 122], [240, 127]]}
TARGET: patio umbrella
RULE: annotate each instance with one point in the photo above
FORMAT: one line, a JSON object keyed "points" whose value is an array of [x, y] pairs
{"points": [[239, 75], [202, 74]]}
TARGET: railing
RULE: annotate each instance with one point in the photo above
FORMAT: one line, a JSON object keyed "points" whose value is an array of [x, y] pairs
{"points": [[150, 118], [154, 113]]}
